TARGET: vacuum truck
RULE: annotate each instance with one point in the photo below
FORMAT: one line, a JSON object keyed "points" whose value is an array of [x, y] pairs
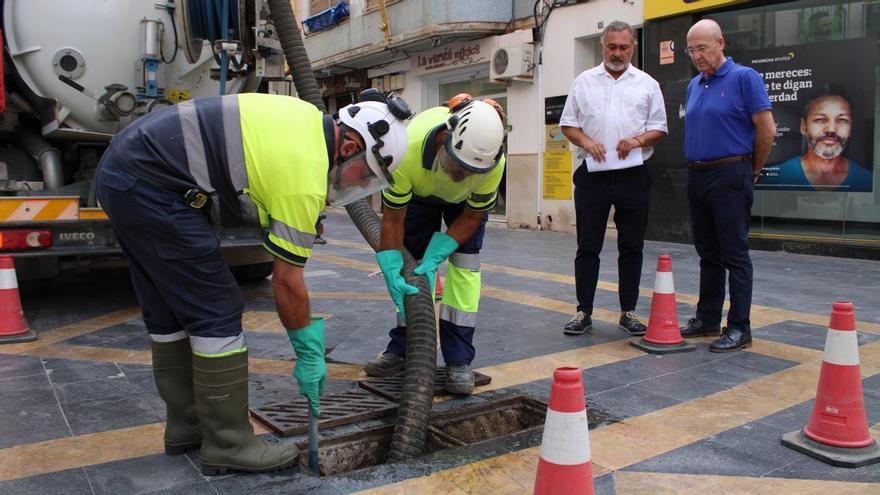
{"points": [[74, 73]]}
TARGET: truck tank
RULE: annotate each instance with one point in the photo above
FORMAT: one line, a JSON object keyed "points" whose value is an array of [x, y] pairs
{"points": [[77, 72]]}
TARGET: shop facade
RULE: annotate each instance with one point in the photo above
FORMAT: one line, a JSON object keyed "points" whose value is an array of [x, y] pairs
{"points": [[813, 55]]}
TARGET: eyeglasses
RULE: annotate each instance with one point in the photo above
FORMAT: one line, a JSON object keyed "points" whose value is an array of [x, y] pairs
{"points": [[700, 49]]}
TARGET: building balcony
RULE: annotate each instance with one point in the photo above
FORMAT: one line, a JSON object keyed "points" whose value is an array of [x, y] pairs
{"points": [[415, 25]]}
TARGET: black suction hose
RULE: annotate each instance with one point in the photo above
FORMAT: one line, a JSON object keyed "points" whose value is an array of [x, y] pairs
{"points": [[413, 413]]}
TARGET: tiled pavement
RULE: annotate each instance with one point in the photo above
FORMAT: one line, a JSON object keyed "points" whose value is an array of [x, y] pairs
{"points": [[79, 412]]}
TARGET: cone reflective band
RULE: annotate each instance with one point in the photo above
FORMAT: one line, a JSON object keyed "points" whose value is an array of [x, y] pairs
{"points": [[565, 466], [663, 335], [837, 431], [13, 327]]}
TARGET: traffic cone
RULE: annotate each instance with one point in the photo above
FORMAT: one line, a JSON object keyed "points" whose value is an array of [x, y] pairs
{"points": [[663, 335], [13, 327], [438, 287], [837, 432], [565, 466]]}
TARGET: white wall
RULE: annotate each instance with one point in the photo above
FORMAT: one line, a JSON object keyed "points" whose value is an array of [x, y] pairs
{"points": [[568, 49]]}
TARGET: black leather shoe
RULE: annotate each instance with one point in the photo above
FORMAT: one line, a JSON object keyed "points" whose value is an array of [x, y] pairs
{"points": [[579, 324], [696, 328], [732, 339], [632, 324]]}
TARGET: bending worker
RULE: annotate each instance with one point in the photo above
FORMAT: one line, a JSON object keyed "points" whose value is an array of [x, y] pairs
{"points": [[238, 159], [452, 169]]}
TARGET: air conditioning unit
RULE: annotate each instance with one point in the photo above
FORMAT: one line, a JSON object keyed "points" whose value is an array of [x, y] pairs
{"points": [[512, 62]]}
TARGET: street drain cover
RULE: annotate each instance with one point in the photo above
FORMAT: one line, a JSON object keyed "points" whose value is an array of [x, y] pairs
{"points": [[391, 387], [292, 418]]}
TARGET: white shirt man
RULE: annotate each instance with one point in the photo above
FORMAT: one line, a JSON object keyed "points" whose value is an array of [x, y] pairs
{"points": [[619, 107]]}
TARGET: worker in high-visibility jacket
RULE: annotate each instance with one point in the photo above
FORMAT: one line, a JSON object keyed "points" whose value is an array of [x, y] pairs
{"points": [[452, 169], [265, 160]]}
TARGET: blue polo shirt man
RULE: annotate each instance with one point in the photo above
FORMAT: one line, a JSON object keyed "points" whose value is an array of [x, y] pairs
{"points": [[729, 130]]}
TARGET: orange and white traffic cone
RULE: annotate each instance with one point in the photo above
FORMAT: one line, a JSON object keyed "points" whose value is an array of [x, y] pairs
{"points": [[663, 335], [837, 432], [565, 466], [13, 327]]}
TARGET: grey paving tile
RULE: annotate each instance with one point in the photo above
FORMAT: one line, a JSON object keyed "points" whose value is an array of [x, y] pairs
{"points": [[629, 401], [749, 450], [90, 416], [13, 366], [122, 336], [24, 382], [202, 488], [68, 482], [807, 468], [757, 362], [91, 390], [143, 475], [30, 415], [269, 345], [64, 371], [604, 485], [289, 481]]}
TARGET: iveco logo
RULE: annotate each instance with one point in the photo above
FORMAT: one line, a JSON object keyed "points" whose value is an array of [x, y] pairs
{"points": [[76, 236]]}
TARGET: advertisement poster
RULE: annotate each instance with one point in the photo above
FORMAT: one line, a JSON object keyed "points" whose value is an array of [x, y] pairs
{"points": [[824, 115], [557, 175]]}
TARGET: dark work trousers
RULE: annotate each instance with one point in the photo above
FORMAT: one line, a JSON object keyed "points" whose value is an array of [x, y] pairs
{"points": [[720, 205], [422, 220], [181, 280], [628, 190]]}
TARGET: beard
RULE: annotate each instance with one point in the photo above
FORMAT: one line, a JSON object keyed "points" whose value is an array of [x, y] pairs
{"points": [[616, 64], [825, 151]]}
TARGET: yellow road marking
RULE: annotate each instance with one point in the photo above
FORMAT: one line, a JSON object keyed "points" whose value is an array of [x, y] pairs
{"points": [[761, 315], [623, 444], [634, 483], [72, 330]]}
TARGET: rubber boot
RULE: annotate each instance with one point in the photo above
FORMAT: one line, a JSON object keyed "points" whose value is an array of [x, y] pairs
{"points": [[172, 369], [221, 389]]}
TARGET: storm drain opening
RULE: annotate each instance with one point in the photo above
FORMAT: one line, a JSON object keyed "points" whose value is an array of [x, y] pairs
{"points": [[459, 427]]}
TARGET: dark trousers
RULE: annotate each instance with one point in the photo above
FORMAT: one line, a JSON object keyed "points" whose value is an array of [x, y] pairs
{"points": [[180, 278], [422, 220], [720, 205], [628, 190]]}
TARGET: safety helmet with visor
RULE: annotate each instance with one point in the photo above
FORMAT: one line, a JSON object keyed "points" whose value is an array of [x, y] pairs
{"points": [[380, 122], [471, 149]]}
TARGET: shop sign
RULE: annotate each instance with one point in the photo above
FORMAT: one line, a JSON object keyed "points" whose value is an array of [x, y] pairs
{"points": [[456, 55], [557, 175]]}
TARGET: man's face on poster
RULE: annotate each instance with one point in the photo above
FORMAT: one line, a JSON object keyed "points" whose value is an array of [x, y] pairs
{"points": [[827, 126]]}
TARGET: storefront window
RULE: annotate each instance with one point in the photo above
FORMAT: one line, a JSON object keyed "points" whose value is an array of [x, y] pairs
{"points": [[819, 60]]}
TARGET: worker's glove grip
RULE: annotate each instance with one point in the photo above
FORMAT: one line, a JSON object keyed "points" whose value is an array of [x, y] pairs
{"points": [[310, 370], [440, 247], [391, 263]]}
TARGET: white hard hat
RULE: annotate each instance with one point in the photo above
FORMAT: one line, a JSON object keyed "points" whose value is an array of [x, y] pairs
{"points": [[475, 137], [381, 125]]}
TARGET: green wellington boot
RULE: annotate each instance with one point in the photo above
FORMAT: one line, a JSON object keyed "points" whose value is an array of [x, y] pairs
{"points": [[221, 389], [172, 369]]}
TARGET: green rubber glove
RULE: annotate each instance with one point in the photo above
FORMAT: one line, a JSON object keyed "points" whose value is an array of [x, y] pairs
{"points": [[311, 370], [440, 247], [391, 263]]}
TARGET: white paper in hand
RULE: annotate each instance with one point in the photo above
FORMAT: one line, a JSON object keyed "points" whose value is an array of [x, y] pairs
{"points": [[612, 162]]}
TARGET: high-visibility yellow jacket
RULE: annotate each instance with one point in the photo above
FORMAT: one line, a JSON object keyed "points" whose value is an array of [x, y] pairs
{"points": [[257, 156], [413, 178]]}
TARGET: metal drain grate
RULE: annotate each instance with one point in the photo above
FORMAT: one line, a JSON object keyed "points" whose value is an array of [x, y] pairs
{"points": [[292, 418], [391, 387]]}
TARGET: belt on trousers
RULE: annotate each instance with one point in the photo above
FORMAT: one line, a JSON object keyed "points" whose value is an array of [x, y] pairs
{"points": [[700, 165]]}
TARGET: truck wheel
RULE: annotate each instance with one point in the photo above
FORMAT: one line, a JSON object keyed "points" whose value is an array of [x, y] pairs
{"points": [[252, 273]]}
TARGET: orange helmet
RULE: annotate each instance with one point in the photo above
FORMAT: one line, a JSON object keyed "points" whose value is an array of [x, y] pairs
{"points": [[496, 106], [459, 101]]}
